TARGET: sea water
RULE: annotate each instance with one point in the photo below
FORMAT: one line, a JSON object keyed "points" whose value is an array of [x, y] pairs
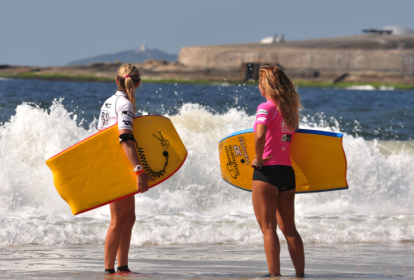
{"points": [[38, 119]]}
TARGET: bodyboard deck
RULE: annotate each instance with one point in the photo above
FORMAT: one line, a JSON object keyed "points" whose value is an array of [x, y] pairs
{"points": [[318, 159], [96, 171]]}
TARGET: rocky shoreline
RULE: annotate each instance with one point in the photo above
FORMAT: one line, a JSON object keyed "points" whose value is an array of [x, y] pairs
{"points": [[175, 72]]}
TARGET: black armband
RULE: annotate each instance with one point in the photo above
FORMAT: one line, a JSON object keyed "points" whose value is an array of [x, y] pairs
{"points": [[126, 136]]}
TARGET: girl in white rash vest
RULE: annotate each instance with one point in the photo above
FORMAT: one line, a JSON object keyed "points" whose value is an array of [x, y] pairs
{"points": [[117, 109], [120, 109], [273, 184]]}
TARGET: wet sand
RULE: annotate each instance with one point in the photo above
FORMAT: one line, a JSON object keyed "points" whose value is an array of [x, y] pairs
{"points": [[327, 261]]}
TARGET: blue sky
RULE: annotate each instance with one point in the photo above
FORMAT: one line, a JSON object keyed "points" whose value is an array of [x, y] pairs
{"points": [[52, 32]]}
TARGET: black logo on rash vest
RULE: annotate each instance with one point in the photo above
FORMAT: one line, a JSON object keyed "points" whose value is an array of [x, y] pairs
{"points": [[127, 113], [127, 123], [105, 118], [108, 105], [286, 137]]}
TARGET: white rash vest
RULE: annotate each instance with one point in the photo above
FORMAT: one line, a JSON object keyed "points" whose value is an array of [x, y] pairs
{"points": [[117, 109]]}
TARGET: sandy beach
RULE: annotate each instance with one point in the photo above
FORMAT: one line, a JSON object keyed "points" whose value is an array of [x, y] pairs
{"points": [[327, 261]]}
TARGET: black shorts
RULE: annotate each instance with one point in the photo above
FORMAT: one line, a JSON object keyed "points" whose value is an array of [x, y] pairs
{"points": [[280, 176]]}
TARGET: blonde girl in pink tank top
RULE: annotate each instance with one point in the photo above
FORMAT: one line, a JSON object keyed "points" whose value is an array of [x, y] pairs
{"points": [[274, 186]]}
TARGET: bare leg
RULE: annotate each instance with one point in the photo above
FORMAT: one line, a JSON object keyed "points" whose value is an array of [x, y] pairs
{"points": [[125, 242], [286, 221], [265, 199], [119, 218]]}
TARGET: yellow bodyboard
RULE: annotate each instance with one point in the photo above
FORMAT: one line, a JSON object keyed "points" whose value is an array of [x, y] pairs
{"points": [[96, 171], [317, 157]]}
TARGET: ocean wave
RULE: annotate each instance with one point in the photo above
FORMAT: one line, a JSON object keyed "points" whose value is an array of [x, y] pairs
{"points": [[196, 206]]}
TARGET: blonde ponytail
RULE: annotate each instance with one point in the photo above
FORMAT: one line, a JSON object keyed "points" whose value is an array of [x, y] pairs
{"points": [[128, 75]]}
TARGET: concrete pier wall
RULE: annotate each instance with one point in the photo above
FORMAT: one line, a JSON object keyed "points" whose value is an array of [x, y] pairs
{"points": [[385, 56]]}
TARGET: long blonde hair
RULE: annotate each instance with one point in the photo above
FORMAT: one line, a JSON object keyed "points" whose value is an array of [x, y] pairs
{"points": [[282, 92], [128, 75]]}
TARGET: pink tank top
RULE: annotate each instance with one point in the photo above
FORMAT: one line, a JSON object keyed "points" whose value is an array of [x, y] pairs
{"points": [[278, 136]]}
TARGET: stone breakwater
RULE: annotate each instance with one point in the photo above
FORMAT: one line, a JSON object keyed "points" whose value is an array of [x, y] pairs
{"points": [[354, 58], [364, 58]]}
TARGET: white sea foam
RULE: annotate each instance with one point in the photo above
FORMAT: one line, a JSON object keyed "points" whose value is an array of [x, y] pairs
{"points": [[361, 87], [386, 88], [369, 87], [196, 205]]}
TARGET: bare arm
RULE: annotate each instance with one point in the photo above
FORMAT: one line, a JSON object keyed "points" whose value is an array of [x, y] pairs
{"points": [[259, 143], [129, 149], [131, 153]]}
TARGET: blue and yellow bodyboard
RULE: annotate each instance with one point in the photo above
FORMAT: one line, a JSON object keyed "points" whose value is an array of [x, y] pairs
{"points": [[318, 159]]}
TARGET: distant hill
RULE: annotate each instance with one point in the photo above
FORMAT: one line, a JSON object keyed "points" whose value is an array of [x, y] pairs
{"points": [[131, 56]]}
